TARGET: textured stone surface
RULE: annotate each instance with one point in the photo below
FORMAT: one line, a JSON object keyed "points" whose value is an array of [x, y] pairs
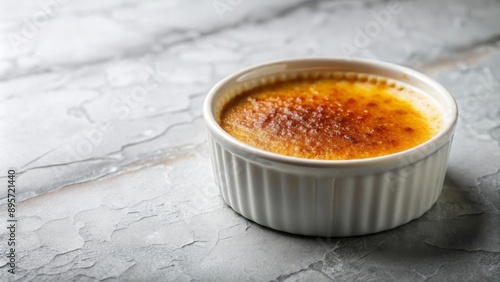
{"points": [[100, 114]]}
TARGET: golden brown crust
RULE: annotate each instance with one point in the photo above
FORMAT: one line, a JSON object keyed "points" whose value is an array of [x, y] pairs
{"points": [[326, 119]]}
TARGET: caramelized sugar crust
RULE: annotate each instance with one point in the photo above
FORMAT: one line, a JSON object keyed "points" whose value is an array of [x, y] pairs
{"points": [[326, 119]]}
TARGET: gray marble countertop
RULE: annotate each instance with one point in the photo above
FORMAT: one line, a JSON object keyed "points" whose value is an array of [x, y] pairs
{"points": [[100, 116]]}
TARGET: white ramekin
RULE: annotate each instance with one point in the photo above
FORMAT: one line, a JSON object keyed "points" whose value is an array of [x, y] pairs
{"points": [[320, 197]]}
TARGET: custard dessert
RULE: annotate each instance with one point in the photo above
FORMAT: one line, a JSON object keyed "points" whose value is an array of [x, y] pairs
{"points": [[331, 118]]}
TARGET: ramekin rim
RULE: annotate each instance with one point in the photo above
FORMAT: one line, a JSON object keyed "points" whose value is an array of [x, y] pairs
{"points": [[441, 137]]}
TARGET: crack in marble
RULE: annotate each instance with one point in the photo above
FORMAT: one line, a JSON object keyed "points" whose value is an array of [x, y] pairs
{"points": [[81, 108], [488, 198], [228, 237], [60, 164], [460, 249], [313, 266], [190, 244], [35, 159], [176, 111], [492, 41], [120, 229], [122, 165], [435, 274], [162, 133]]}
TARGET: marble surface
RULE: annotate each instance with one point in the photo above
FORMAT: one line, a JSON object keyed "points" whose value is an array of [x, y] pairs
{"points": [[100, 115]]}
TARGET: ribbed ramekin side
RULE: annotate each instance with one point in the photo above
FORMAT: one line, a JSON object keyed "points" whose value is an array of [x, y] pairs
{"points": [[406, 193], [321, 205], [306, 222], [442, 166], [215, 150], [429, 176], [366, 203]]}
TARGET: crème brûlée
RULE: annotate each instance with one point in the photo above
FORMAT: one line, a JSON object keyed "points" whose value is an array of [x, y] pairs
{"points": [[332, 119]]}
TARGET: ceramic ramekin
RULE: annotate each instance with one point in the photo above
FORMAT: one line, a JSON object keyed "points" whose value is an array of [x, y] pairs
{"points": [[321, 197]]}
